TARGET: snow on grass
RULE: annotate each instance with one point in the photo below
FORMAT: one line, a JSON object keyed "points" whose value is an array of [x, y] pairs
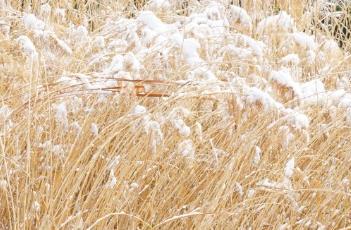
{"points": [[281, 22], [5, 112], [31, 22], [153, 128], [190, 47], [256, 46], [244, 97], [313, 89], [78, 34], [284, 78], [304, 40], [186, 148], [45, 10], [139, 110], [181, 126], [297, 119], [61, 115], [159, 5], [64, 46], [255, 95], [290, 59], [257, 156], [94, 129], [289, 168], [149, 19], [27, 47], [239, 15], [117, 64]]}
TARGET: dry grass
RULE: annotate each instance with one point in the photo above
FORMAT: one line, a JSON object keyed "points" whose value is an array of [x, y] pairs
{"points": [[126, 176]]}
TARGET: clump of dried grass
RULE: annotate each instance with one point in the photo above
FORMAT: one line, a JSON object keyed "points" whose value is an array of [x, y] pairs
{"points": [[54, 176]]}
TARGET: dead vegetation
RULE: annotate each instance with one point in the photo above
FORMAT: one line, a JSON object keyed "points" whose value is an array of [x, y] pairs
{"points": [[158, 143]]}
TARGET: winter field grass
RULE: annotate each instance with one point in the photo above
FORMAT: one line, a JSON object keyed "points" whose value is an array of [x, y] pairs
{"points": [[173, 115]]}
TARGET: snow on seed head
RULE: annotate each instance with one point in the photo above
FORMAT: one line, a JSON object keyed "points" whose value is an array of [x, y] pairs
{"points": [[290, 59], [286, 136], [148, 36], [297, 119], [304, 40], [311, 57], [190, 54], [27, 46], [3, 184], [78, 34], [182, 128], [62, 44], [117, 45], [113, 163], [257, 156], [332, 50], [345, 182], [283, 79], [156, 5], [134, 186], [313, 91], [75, 104], [61, 114], [257, 47], [3, 4], [60, 13], [214, 11], [112, 181], [239, 15], [250, 193], [51, 148], [284, 226], [154, 128], [149, 19], [5, 112], [139, 110], [186, 148], [36, 206], [281, 22], [131, 63], [5, 28], [202, 74], [198, 131], [269, 184], [94, 129], [82, 31], [239, 189], [348, 116], [255, 95], [99, 42], [218, 153], [57, 150], [232, 51], [289, 168], [32, 23], [76, 127], [179, 112], [46, 145], [116, 64], [45, 10]]}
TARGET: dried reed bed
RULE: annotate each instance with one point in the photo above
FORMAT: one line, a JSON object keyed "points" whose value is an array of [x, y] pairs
{"points": [[101, 161]]}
